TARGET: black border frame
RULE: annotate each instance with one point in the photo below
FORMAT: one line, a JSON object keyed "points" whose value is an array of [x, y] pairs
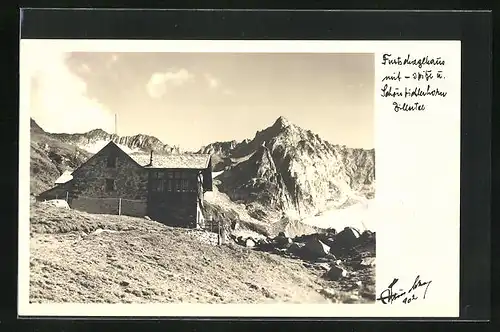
{"points": [[474, 29]]}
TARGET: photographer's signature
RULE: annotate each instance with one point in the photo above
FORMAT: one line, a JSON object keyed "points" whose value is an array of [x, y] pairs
{"points": [[417, 291]]}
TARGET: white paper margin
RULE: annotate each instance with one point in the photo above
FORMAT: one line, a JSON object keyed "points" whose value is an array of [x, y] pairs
{"points": [[417, 194]]}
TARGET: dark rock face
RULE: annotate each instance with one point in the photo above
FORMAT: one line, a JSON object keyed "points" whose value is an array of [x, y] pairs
{"points": [[256, 180], [287, 168], [336, 272]]}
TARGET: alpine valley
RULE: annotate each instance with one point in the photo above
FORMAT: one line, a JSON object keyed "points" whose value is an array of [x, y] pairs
{"points": [[284, 173]]}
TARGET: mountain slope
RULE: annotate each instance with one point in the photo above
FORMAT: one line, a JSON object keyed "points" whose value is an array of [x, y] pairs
{"points": [[286, 168], [95, 140], [80, 257], [283, 172], [49, 158], [53, 153]]}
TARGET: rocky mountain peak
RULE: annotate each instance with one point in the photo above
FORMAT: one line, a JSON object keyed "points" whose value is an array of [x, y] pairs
{"points": [[34, 127], [97, 133], [282, 122], [287, 167]]}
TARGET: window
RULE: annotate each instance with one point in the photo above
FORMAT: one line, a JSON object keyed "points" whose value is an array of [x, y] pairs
{"points": [[110, 185], [185, 185], [169, 185], [159, 175], [160, 185], [157, 185], [170, 175], [177, 185], [112, 161], [177, 175]]}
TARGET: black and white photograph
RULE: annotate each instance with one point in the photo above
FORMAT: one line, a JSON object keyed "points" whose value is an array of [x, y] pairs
{"points": [[201, 177], [306, 167]]}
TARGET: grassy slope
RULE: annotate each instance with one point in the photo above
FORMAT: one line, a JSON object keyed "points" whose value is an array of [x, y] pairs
{"points": [[146, 262], [43, 172], [49, 158]]}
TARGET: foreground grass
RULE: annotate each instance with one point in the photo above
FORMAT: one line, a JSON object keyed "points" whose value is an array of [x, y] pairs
{"points": [[139, 261]]}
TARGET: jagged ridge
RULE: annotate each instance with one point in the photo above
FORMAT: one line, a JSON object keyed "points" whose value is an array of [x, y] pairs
{"points": [[144, 143], [293, 170], [283, 169]]}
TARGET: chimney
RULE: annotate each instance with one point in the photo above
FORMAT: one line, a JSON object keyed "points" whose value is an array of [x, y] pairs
{"points": [[151, 158]]}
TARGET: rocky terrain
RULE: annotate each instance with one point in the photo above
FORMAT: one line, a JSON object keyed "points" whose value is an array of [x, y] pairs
{"points": [[284, 173], [53, 153], [271, 193], [94, 140], [287, 169], [50, 157], [80, 257]]}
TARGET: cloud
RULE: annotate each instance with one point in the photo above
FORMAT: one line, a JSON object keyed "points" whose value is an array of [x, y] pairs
{"points": [[212, 81], [158, 83], [58, 97], [112, 60]]}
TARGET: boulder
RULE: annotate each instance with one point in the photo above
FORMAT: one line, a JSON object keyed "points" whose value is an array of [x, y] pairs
{"points": [[305, 238], [323, 266], [317, 248], [235, 225], [329, 293], [147, 218], [296, 248], [330, 241], [368, 262], [265, 245], [336, 272], [240, 241], [322, 237], [348, 238], [367, 237], [279, 251], [282, 241], [249, 243], [331, 231]]}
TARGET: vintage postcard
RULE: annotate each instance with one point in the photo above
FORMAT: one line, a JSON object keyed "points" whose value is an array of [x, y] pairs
{"points": [[239, 178]]}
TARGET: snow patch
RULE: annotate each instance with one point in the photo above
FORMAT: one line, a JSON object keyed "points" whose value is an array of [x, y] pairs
{"points": [[216, 174], [360, 216], [59, 203], [100, 230], [65, 177], [98, 145]]}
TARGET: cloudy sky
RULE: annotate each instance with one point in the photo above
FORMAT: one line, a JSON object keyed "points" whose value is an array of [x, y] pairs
{"points": [[192, 99]]}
